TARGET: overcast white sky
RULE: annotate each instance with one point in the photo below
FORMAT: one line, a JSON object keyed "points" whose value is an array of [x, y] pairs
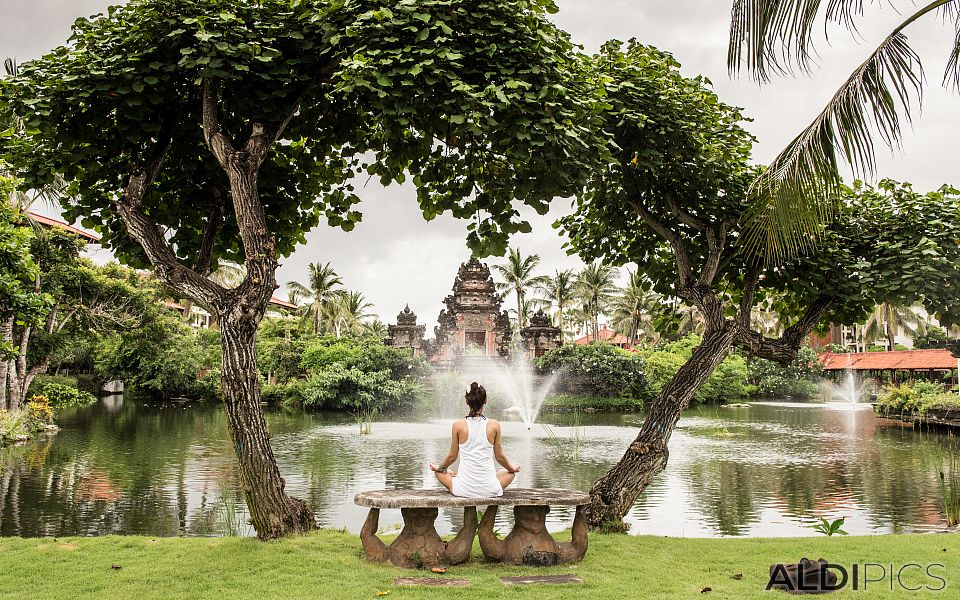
{"points": [[395, 258]]}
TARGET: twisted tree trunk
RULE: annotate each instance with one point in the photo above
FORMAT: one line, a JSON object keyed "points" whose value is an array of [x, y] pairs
{"points": [[613, 494], [272, 512]]}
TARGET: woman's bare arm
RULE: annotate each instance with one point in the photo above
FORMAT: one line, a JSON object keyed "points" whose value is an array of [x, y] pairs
{"points": [[454, 448], [498, 451]]}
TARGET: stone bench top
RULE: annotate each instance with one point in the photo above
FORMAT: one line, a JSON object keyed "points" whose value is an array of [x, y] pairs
{"points": [[442, 498]]}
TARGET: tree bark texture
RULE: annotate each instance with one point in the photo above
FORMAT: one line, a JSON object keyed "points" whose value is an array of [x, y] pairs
{"points": [[238, 310], [272, 512], [613, 494]]}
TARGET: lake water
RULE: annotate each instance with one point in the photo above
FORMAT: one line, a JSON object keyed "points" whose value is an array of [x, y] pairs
{"points": [[768, 470]]}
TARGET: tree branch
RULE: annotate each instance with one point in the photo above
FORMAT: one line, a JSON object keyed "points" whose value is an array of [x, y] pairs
{"points": [[676, 243], [784, 349], [685, 217], [218, 143], [148, 234], [202, 266], [750, 281]]}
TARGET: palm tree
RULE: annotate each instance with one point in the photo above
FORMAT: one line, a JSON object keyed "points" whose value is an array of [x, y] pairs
{"points": [[578, 318], [323, 287], [890, 320], [518, 277], [631, 308], [376, 328], [797, 194], [560, 292], [346, 313], [595, 288], [528, 307]]}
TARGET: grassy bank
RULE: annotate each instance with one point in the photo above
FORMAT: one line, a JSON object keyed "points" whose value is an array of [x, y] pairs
{"points": [[570, 403], [328, 564]]}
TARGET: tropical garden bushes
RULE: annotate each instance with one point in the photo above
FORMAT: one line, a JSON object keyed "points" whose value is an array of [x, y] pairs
{"points": [[356, 374], [20, 425], [597, 369], [917, 398], [725, 384], [60, 391], [796, 381], [607, 371]]}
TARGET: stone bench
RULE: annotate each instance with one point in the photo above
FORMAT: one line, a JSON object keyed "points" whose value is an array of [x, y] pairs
{"points": [[419, 545]]}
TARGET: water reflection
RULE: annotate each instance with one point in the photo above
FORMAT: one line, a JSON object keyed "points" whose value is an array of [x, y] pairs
{"points": [[167, 469]]}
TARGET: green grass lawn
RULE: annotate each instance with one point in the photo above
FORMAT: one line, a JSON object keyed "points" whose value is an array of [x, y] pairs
{"points": [[328, 564]]}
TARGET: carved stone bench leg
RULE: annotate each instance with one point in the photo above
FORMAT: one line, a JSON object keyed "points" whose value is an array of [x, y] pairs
{"points": [[458, 549], [418, 544], [574, 550], [373, 547], [530, 543], [490, 544]]}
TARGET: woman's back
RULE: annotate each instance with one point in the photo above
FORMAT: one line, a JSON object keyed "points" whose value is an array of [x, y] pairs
{"points": [[477, 475]]}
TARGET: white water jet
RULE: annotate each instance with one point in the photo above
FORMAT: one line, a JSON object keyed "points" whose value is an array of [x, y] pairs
{"points": [[512, 385], [849, 390]]}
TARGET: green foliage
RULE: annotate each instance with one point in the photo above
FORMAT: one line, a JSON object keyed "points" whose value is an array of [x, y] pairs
{"points": [[931, 337], [162, 357], [280, 357], [360, 375], [42, 381], [339, 386], [15, 426], [829, 528], [365, 353], [60, 395], [795, 381], [568, 403], [596, 369], [18, 271], [377, 86], [920, 398], [726, 383]]}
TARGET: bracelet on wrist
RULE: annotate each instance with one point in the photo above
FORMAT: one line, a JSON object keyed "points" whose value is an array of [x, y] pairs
{"points": [[441, 469]]}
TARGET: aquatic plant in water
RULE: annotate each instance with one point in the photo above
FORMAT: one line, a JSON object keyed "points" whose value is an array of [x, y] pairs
{"points": [[829, 528]]}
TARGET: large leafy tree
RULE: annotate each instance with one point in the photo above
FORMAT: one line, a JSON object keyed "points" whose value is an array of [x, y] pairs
{"points": [[518, 277], [799, 191], [195, 130], [674, 201]]}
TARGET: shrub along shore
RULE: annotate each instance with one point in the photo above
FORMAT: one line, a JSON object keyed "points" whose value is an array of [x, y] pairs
{"points": [[329, 564]]}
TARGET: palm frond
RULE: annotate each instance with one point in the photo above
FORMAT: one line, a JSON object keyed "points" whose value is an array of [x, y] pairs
{"points": [[300, 290], [951, 76], [769, 37], [796, 196]]}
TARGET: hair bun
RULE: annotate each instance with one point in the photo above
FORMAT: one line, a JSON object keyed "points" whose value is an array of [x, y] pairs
{"points": [[474, 386]]}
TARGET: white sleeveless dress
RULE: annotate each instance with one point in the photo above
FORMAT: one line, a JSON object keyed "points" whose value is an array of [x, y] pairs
{"points": [[477, 474]]}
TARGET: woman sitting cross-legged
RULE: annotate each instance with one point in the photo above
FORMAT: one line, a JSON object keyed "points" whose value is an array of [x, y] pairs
{"points": [[476, 441]]}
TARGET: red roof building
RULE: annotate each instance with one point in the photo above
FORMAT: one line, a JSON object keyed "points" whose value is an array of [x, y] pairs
{"points": [[899, 360], [55, 224], [938, 365], [606, 335]]}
